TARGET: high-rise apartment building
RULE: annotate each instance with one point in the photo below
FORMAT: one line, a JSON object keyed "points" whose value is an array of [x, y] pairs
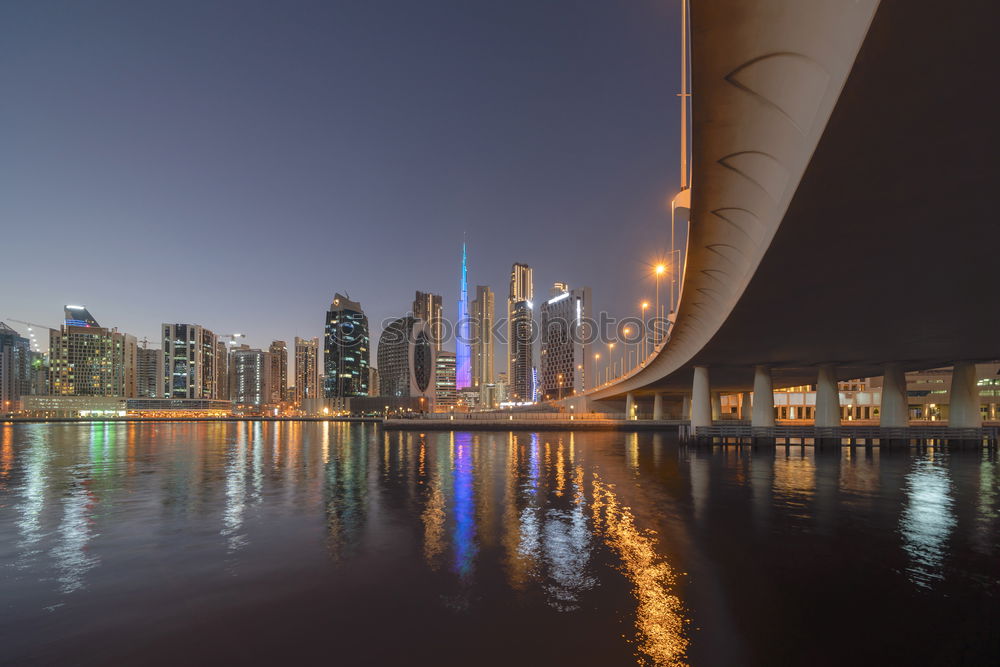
{"points": [[445, 393], [483, 314], [189, 361], [279, 371], [250, 376], [520, 321], [149, 372], [566, 366], [15, 367], [222, 391], [345, 348], [427, 307], [86, 359], [306, 368]]}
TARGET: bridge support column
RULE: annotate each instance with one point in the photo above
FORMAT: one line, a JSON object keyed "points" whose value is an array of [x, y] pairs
{"points": [[630, 406], [894, 411], [963, 406], [657, 406], [686, 406], [701, 399], [716, 405], [827, 422], [762, 409]]}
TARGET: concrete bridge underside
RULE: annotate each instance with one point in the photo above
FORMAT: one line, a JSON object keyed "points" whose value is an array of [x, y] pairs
{"points": [[842, 210]]}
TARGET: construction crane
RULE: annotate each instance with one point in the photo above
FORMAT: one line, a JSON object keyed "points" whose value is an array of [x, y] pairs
{"points": [[31, 333]]}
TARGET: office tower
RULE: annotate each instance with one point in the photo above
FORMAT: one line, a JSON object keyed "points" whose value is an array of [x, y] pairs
{"points": [[463, 351], [406, 360], [279, 371], [427, 307], [189, 361], [374, 382], [566, 364], [307, 368], [250, 376], [86, 359], [483, 314], [345, 349], [149, 372], [519, 334], [15, 367], [446, 396], [222, 391]]}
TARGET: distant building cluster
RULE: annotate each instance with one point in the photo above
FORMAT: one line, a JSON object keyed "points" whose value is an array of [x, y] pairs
{"points": [[94, 370]]}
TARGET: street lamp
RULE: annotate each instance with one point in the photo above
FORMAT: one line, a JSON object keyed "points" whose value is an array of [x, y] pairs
{"points": [[661, 268]]}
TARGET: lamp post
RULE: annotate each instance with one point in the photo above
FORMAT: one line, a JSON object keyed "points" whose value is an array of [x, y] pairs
{"points": [[660, 270]]}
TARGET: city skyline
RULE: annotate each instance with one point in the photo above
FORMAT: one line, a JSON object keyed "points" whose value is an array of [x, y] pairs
{"points": [[319, 171]]}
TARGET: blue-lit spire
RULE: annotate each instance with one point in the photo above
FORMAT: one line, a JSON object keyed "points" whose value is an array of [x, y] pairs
{"points": [[463, 352]]}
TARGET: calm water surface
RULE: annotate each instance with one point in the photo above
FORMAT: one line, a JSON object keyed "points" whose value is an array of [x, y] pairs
{"points": [[265, 542]]}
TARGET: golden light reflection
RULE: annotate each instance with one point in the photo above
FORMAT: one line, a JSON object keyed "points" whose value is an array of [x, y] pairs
{"points": [[433, 518], [560, 470], [660, 620]]}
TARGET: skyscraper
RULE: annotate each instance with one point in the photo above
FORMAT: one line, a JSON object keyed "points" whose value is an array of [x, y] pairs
{"points": [[149, 372], [189, 361], [306, 368], [463, 353], [15, 367], [427, 307], [250, 376], [406, 360], [86, 359], [519, 334], [345, 347], [566, 364], [445, 395], [483, 314], [279, 371]]}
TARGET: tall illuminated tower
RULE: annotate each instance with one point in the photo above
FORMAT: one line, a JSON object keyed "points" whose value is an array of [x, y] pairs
{"points": [[463, 352]]}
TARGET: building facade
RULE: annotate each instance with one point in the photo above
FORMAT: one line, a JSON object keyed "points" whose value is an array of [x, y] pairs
{"points": [[250, 376], [306, 368], [345, 348], [445, 393], [149, 375], [406, 360], [15, 367], [189, 361], [482, 316], [566, 365], [427, 307], [86, 359], [520, 334], [279, 371]]}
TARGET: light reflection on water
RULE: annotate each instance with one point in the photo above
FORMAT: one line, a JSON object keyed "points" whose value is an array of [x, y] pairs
{"points": [[637, 544]]}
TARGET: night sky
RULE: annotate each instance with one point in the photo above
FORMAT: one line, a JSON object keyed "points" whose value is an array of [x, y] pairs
{"points": [[233, 164]]}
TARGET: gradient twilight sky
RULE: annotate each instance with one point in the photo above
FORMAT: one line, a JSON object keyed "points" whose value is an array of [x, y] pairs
{"points": [[235, 163]]}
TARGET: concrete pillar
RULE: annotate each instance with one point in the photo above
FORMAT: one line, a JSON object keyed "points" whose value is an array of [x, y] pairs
{"points": [[744, 403], [686, 407], [629, 406], [827, 398], [963, 406], [762, 411], [716, 405], [657, 405], [701, 399], [894, 412]]}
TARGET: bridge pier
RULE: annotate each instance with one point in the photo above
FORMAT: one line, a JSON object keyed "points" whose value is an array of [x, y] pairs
{"points": [[894, 410], [701, 399], [629, 406], [827, 422], [657, 406], [686, 406], [762, 408], [964, 418]]}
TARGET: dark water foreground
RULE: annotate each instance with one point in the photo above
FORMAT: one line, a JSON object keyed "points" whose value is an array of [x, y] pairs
{"points": [[247, 543]]}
